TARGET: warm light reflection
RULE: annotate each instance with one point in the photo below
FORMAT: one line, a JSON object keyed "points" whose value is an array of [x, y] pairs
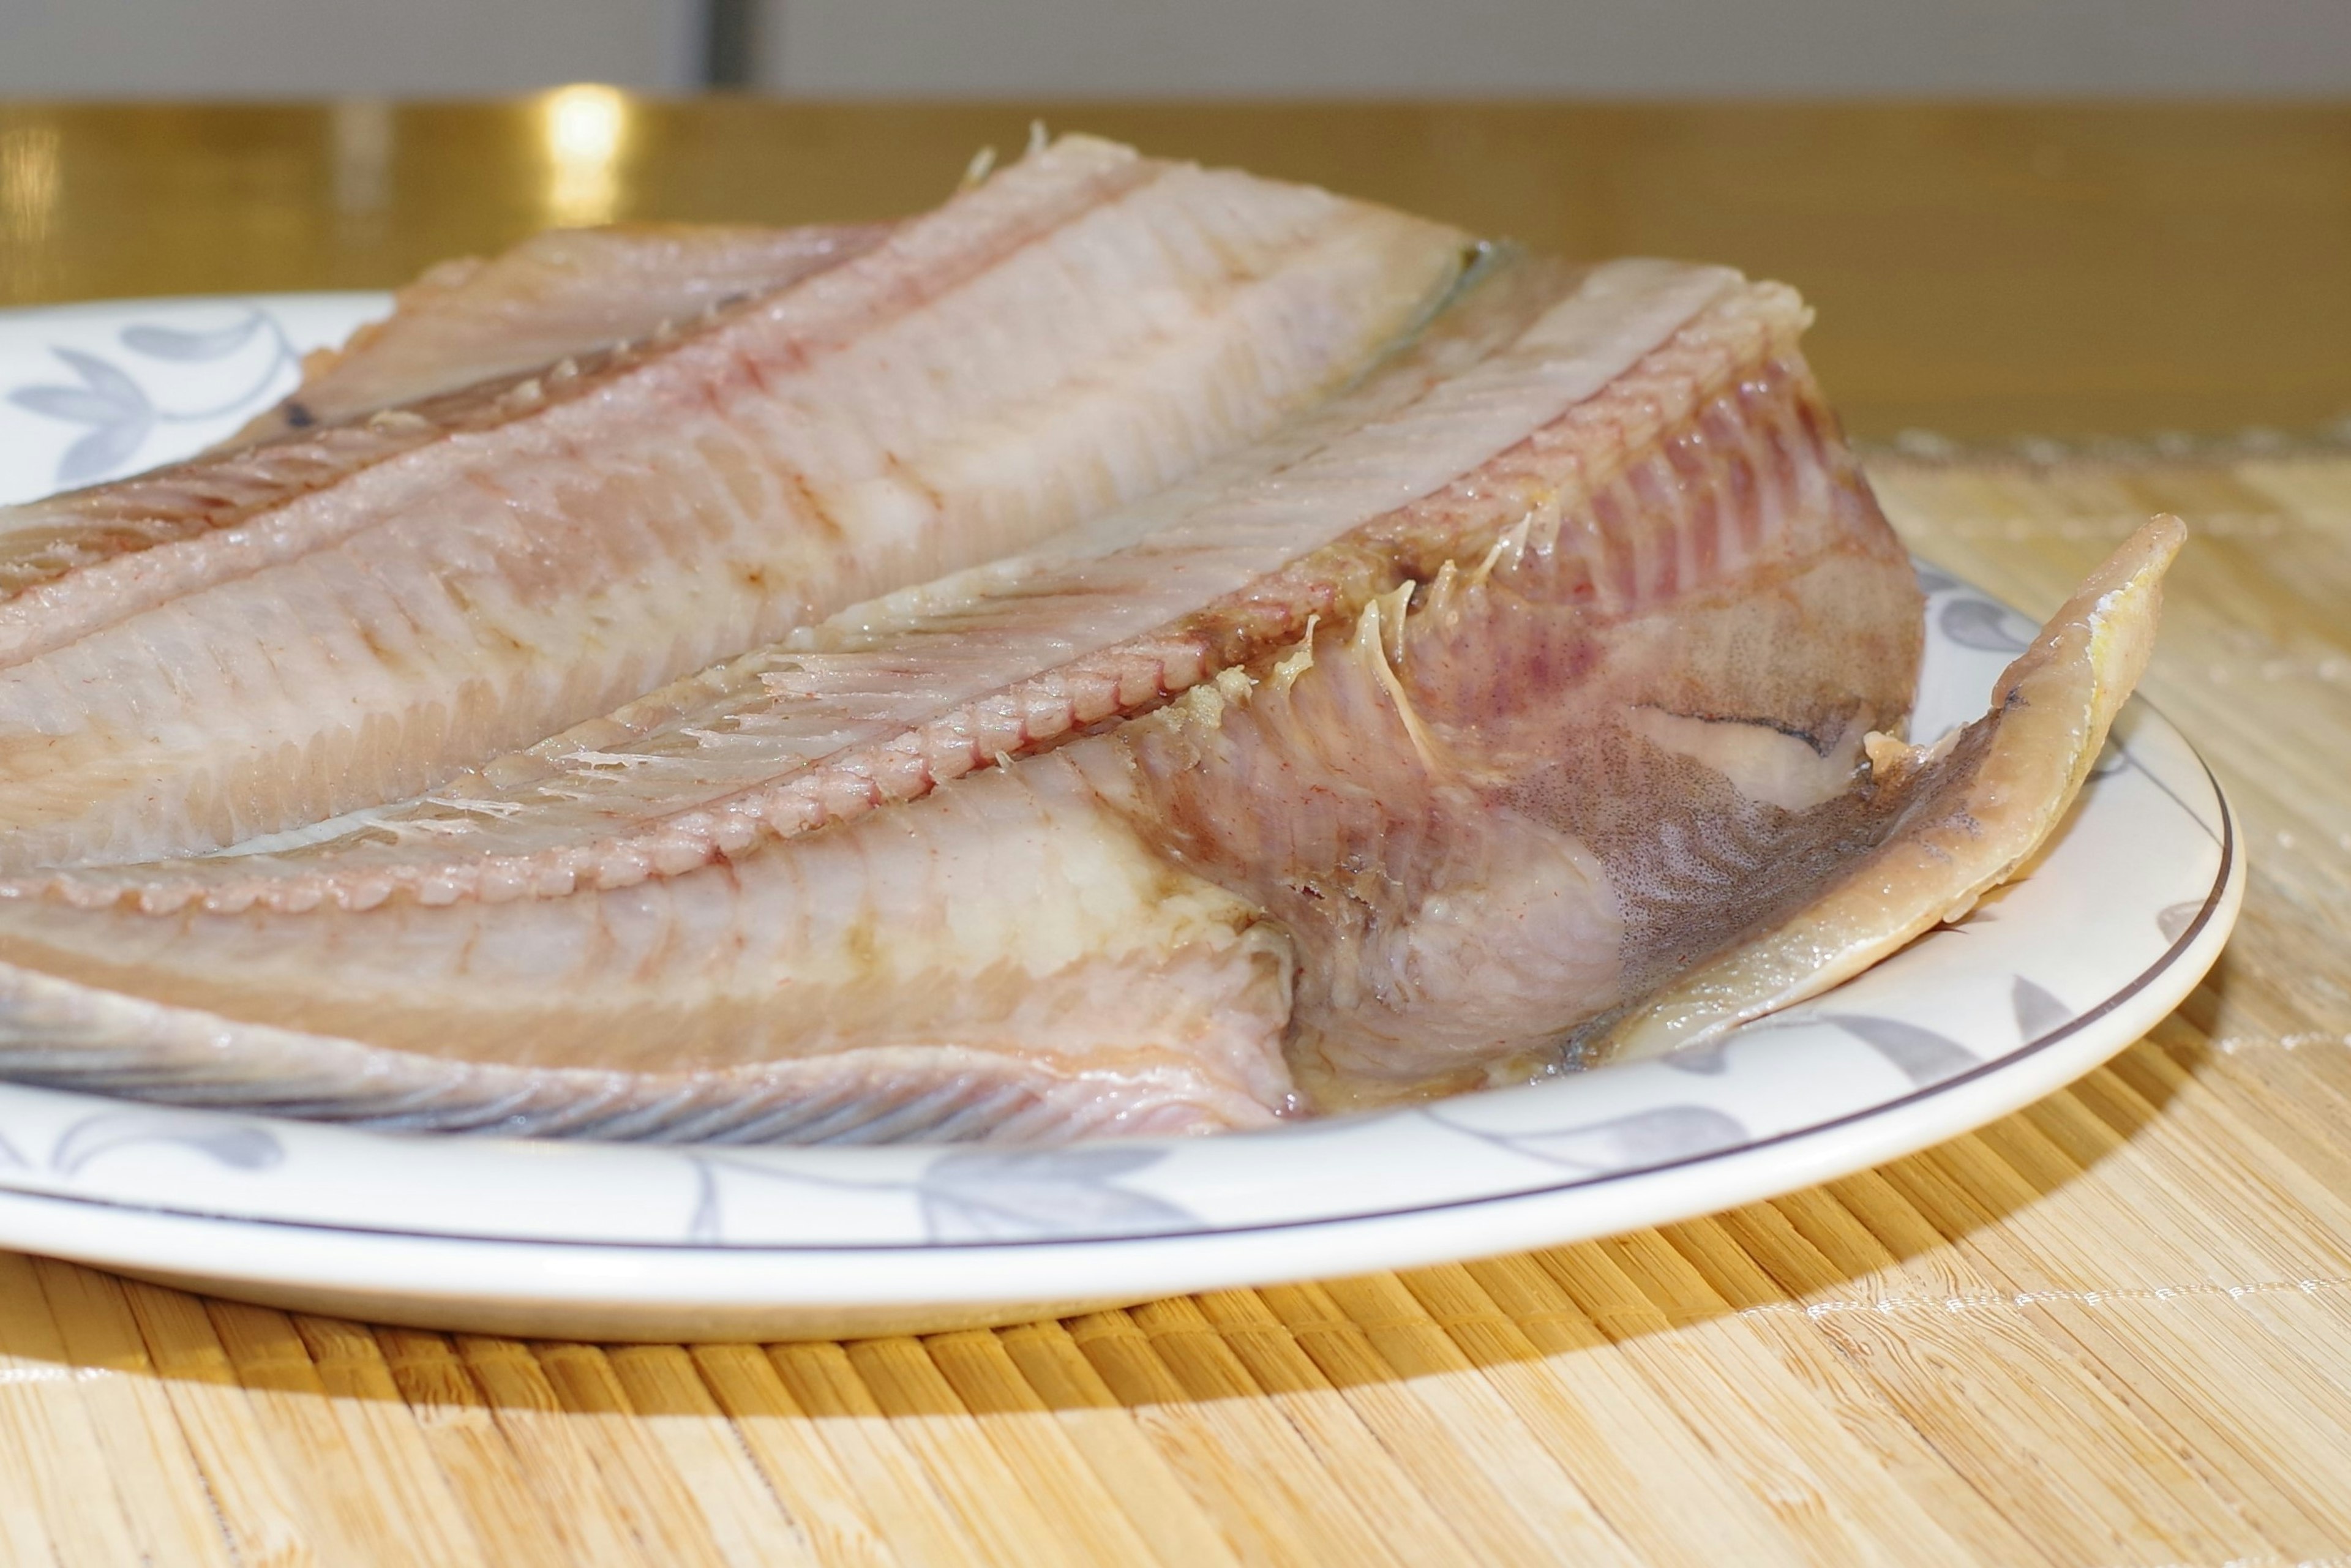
{"points": [[585, 128], [359, 133], [29, 181]]}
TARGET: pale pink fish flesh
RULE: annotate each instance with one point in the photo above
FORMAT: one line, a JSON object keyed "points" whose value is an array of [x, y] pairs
{"points": [[889, 699], [261, 638], [564, 294], [1418, 746]]}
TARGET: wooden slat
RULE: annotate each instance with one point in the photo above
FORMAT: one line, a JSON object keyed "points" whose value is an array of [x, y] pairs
{"points": [[746, 1516], [877, 1458], [311, 1431], [55, 1440], [1648, 1473], [1754, 1261], [2115, 1492], [570, 1460], [149, 1460], [1450, 1431], [227, 1434], [1058, 1457], [520, 1507], [1827, 1492], [1201, 1406], [1067, 1518], [662, 1501], [2112, 1329], [836, 1521]]}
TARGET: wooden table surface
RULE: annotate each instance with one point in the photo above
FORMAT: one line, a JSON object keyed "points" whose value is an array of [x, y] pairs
{"points": [[2114, 1329], [1979, 270]]}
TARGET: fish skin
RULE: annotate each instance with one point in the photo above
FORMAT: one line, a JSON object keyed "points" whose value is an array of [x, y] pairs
{"points": [[1106, 954], [266, 637], [55, 1030], [891, 934], [564, 293]]}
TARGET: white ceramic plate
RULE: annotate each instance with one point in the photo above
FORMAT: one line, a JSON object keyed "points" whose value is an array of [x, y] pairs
{"points": [[2050, 976]]}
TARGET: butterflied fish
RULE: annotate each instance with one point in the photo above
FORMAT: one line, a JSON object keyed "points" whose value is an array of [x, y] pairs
{"points": [[1420, 744]]}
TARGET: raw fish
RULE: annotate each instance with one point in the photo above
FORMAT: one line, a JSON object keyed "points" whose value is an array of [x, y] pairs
{"points": [[1478, 687], [1952, 820], [352, 613], [564, 293]]}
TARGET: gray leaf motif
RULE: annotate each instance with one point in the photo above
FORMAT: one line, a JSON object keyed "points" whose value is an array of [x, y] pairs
{"points": [[1712, 1058], [109, 401], [1924, 1056], [1637, 1142], [705, 1225], [1709, 1060], [101, 451], [174, 343], [235, 1146], [116, 386], [1932, 579], [1048, 1192], [1981, 623], [2037, 1011], [2174, 919], [79, 405]]}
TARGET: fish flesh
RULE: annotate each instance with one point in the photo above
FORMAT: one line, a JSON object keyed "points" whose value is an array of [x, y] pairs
{"points": [[563, 294], [350, 614], [1952, 820], [892, 696], [1517, 688]]}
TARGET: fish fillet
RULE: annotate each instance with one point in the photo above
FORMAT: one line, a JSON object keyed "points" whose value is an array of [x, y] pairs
{"points": [[886, 850], [1522, 699], [563, 294], [347, 615]]}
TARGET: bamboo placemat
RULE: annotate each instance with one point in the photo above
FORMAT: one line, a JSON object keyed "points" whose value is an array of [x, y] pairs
{"points": [[2114, 1329]]}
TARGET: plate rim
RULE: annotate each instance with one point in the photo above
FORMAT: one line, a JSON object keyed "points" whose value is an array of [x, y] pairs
{"points": [[2228, 876], [637, 1278]]}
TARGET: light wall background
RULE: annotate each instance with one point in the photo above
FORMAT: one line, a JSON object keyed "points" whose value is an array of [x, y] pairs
{"points": [[311, 48], [1014, 48], [1664, 47]]}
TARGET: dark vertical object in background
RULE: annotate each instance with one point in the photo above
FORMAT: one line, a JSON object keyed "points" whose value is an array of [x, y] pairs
{"points": [[730, 44]]}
